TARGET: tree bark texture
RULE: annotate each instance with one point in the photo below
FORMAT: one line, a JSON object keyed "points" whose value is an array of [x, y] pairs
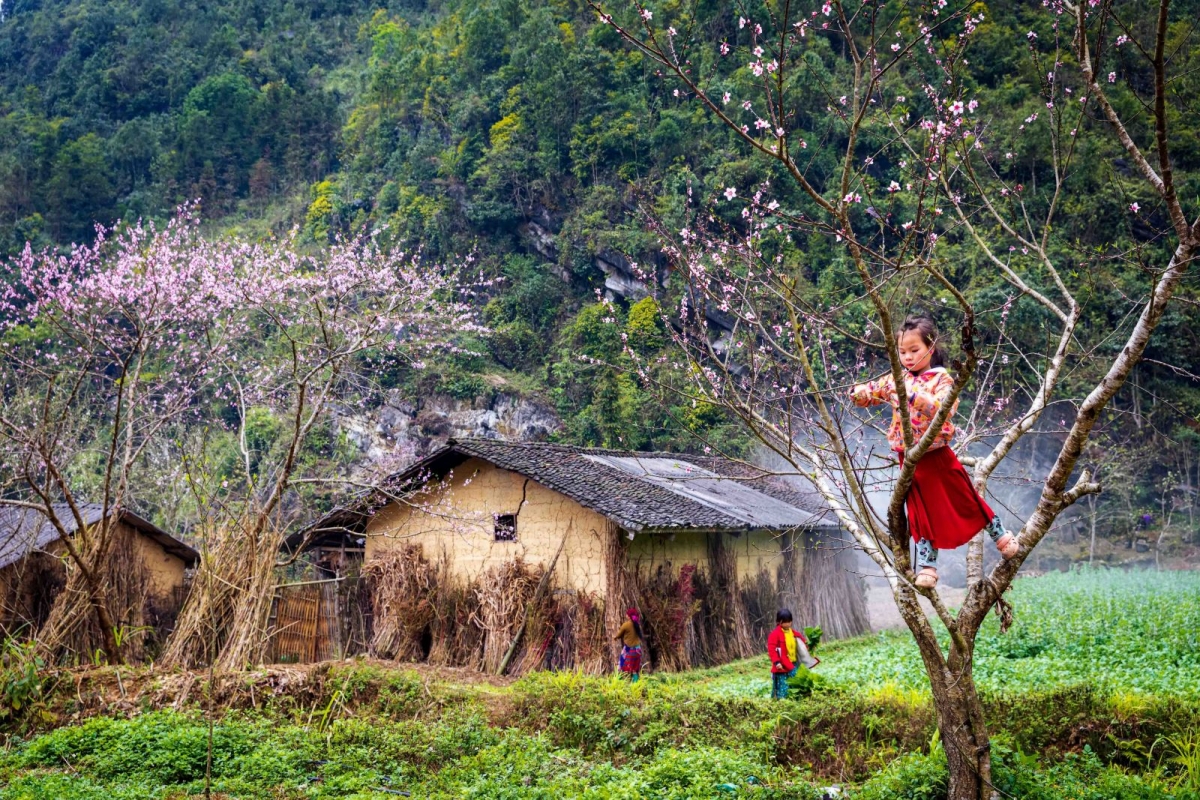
{"points": [[956, 703]]}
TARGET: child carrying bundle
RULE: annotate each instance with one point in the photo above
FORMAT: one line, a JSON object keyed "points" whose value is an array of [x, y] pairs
{"points": [[787, 649]]}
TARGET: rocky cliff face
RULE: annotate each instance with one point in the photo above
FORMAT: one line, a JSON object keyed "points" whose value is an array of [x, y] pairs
{"points": [[621, 278], [401, 431]]}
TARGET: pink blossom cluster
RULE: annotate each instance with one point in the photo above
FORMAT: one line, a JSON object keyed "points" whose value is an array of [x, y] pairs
{"points": [[158, 320]]}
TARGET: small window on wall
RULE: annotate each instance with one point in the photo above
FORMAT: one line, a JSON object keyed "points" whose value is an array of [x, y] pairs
{"points": [[506, 527]]}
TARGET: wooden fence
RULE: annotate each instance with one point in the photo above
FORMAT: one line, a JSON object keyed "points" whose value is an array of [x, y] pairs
{"points": [[318, 621]]}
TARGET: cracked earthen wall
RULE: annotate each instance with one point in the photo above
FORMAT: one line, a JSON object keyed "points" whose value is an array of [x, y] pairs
{"points": [[457, 522]]}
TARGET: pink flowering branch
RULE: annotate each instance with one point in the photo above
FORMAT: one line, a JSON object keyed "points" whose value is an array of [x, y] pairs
{"points": [[118, 347]]}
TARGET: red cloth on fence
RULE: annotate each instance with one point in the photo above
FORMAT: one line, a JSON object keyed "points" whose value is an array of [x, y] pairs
{"points": [[942, 504]]}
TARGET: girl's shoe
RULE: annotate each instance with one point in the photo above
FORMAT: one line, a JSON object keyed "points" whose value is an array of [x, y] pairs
{"points": [[927, 578], [1008, 545]]}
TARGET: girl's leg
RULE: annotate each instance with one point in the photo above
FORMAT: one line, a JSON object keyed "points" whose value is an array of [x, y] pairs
{"points": [[927, 554], [926, 564], [1006, 542], [995, 529]]}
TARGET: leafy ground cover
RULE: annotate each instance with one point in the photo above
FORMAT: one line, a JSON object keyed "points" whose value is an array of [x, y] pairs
{"points": [[362, 730], [1122, 632]]}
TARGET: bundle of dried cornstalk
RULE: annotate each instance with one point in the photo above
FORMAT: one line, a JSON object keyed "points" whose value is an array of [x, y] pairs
{"points": [[225, 618], [404, 588], [456, 631], [70, 632], [504, 593], [668, 603], [577, 639]]}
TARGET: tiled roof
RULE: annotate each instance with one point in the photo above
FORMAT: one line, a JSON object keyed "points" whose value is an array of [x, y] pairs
{"points": [[24, 531], [638, 491]]}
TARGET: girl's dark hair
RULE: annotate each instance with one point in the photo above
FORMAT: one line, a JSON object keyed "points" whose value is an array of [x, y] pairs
{"points": [[783, 615], [637, 628], [929, 335]]}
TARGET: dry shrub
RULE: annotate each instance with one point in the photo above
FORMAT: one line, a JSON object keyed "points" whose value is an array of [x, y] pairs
{"points": [[761, 599], [504, 593], [457, 633], [405, 589], [668, 603]]}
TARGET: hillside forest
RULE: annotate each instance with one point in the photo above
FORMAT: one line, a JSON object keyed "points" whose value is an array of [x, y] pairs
{"points": [[528, 136]]}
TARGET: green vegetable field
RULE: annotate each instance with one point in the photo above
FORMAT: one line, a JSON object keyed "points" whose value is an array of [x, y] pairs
{"points": [[1125, 633], [1093, 695]]}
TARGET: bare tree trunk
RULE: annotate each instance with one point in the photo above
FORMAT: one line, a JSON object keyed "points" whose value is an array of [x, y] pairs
{"points": [[956, 703], [1166, 524], [964, 735]]}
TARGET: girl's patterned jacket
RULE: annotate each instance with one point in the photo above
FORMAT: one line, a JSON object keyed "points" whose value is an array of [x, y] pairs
{"points": [[926, 393]]}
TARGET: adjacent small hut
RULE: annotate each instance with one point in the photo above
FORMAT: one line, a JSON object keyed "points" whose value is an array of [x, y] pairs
{"points": [[145, 573], [522, 556]]}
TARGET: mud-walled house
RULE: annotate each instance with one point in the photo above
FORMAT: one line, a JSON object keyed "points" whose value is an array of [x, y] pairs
{"points": [[145, 572], [495, 554]]}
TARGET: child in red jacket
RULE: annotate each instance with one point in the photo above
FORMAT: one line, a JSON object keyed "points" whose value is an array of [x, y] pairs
{"points": [[786, 648]]}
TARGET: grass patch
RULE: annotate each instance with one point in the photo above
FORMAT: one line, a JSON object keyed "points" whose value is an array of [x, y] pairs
{"points": [[1132, 633], [363, 730]]}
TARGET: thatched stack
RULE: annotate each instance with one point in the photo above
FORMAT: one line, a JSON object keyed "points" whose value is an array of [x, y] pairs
{"points": [[70, 632], [404, 588], [668, 603], [422, 611]]}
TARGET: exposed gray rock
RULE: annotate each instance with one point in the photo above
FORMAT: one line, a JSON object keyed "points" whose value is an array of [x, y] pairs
{"points": [[400, 430], [620, 277]]}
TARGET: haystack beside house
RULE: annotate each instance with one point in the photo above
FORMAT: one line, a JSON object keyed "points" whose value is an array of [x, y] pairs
{"points": [[517, 556], [145, 573]]}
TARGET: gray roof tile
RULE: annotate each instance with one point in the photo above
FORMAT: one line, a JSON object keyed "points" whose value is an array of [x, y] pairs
{"points": [[640, 491]]}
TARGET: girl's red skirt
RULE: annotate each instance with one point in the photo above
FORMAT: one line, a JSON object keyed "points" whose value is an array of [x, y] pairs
{"points": [[943, 506]]}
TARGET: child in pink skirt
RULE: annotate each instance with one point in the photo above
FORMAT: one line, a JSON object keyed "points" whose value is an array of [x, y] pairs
{"points": [[944, 510]]}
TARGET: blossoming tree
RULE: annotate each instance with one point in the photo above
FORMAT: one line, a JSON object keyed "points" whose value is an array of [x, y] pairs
{"points": [[120, 349], [866, 113]]}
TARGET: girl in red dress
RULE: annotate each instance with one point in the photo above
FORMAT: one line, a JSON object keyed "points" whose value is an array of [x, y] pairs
{"points": [[944, 510]]}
